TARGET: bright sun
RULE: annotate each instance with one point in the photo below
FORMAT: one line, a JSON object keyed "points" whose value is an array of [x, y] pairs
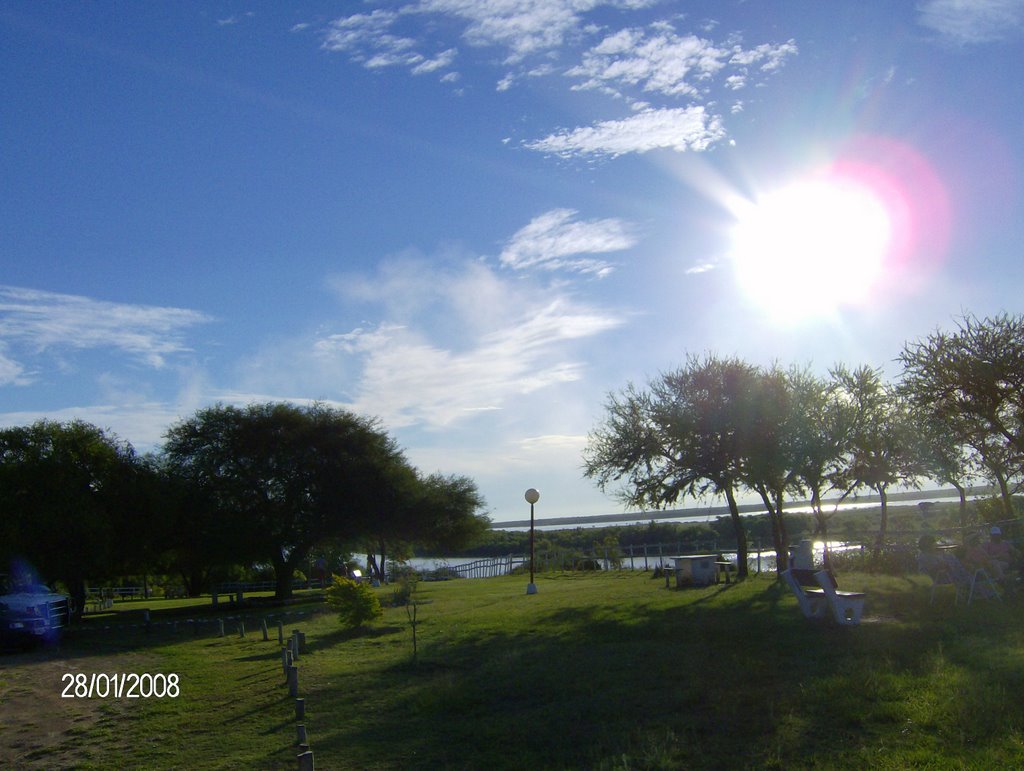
{"points": [[812, 246]]}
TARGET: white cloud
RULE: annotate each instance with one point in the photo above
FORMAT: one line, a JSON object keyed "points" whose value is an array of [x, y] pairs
{"points": [[142, 424], [11, 372], [522, 28], [702, 267], [40, 321], [680, 129], [666, 63], [554, 239], [967, 22], [408, 380]]}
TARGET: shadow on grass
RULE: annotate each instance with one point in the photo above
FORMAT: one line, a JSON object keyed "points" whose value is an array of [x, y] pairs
{"points": [[734, 674]]}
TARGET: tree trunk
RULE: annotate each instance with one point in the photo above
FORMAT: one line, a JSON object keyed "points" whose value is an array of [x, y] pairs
{"points": [[76, 591], [283, 570], [1004, 493], [963, 506], [193, 582], [740, 531], [820, 526], [883, 523], [773, 503]]}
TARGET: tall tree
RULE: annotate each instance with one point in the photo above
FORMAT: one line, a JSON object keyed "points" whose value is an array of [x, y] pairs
{"points": [[289, 476], [681, 437], [821, 433], [436, 512], [74, 503], [883, 442], [945, 457], [769, 450], [972, 382]]}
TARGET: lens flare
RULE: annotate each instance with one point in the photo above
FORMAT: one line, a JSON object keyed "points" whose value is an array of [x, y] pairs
{"points": [[851, 232]]}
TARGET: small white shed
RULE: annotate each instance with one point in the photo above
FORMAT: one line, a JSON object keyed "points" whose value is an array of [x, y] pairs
{"points": [[696, 569]]}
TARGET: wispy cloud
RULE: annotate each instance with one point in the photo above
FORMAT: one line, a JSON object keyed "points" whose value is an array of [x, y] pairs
{"points": [[11, 372], [371, 40], [971, 22], [409, 380], [635, 64], [521, 27], [680, 129], [662, 62], [35, 321], [554, 240]]}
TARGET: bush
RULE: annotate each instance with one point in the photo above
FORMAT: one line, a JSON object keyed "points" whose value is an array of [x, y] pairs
{"points": [[355, 603]]}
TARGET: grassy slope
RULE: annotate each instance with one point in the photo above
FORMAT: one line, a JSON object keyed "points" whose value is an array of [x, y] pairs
{"points": [[596, 671]]}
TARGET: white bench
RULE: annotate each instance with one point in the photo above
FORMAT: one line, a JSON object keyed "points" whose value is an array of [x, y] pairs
{"points": [[847, 607], [812, 601]]}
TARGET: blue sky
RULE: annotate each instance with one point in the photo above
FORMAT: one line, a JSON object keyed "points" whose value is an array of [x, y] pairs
{"points": [[475, 218]]}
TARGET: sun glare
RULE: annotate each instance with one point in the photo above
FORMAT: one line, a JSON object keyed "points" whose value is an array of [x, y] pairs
{"points": [[811, 247]]}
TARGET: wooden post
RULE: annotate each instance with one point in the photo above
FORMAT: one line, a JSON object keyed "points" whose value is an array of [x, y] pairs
{"points": [[241, 629], [263, 628], [302, 641], [145, 618], [305, 761], [285, 663], [295, 647], [293, 681], [280, 633], [221, 622], [300, 709], [300, 734]]}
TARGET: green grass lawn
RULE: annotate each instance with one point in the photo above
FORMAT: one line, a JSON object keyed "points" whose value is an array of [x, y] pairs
{"points": [[598, 671]]}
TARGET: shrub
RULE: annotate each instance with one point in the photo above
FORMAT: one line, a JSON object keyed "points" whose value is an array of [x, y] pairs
{"points": [[355, 603]]}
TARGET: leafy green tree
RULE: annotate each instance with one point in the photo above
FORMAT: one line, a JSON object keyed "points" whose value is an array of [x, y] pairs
{"points": [[200, 542], [883, 442], [75, 504], [768, 449], [436, 512], [287, 477], [681, 437], [820, 433], [972, 382], [944, 456]]}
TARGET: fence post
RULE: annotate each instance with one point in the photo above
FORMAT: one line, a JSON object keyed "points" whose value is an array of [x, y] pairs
{"points": [[293, 681], [263, 628], [280, 633], [305, 761], [241, 628], [285, 663], [221, 622], [300, 709], [300, 734]]}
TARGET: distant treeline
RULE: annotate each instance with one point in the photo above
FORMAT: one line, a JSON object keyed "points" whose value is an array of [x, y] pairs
{"points": [[851, 525]]}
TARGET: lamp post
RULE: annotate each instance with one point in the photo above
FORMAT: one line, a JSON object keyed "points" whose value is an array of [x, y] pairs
{"points": [[532, 496]]}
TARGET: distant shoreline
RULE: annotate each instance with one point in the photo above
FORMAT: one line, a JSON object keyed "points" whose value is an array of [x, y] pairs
{"points": [[706, 513]]}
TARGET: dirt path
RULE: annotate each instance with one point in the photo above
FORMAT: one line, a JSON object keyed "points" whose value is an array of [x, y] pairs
{"points": [[38, 727]]}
